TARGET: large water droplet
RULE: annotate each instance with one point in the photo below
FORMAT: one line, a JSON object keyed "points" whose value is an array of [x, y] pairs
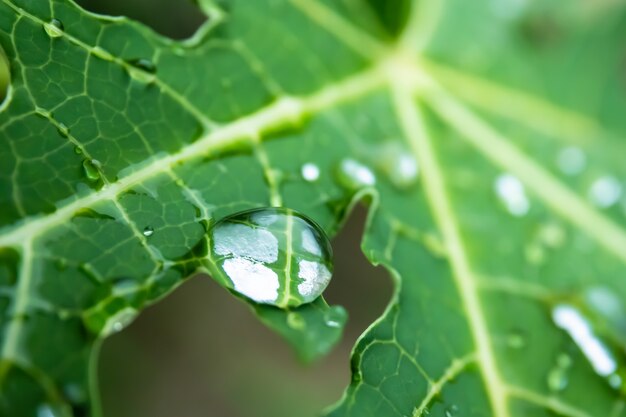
{"points": [[511, 192], [54, 28], [91, 168], [571, 160], [335, 317], [354, 175], [605, 191], [271, 256]]}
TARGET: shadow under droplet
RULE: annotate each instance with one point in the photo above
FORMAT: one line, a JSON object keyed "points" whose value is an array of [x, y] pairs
{"points": [[200, 352]]}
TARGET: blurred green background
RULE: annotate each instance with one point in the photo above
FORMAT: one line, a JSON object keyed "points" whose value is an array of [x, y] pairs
{"points": [[200, 351]]}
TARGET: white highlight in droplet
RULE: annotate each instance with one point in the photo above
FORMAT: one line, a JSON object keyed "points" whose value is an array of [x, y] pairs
{"points": [[243, 241], [358, 172], [569, 319], [511, 191], [252, 279], [310, 172], [407, 167], [571, 160], [315, 278], [605, 191], [309, 243]]}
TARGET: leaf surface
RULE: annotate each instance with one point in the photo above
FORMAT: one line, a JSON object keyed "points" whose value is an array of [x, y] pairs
{"points": [[467, 125]]}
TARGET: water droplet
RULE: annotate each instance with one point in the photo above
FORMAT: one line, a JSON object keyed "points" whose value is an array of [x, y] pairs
{"points": [[119, 321], [354, 175], [615, 381], [295, 321], [78, 150], [102, 54], [43, 113], [271, 256], [91, 168], [511, 192], [63, 130], [54, 28], [558, 377], [142, 70], [552, 235], [451, 411], [310, 172], [516, 339], [335, 317], [571, 160], [399, 165], [75, 392], [52, 410], [605, 191], [570, 319], [148, 231]]}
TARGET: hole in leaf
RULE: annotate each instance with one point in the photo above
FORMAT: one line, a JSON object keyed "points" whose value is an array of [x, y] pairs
{"points": [[5, 76], [183, 17], [199, 352]]}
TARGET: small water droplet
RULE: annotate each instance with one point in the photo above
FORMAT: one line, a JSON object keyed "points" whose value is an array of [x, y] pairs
{"points": [[271, 255], [451, 411], [75, 392], [571, 160], [295, 321], [511, 192], [335, 317], [91, 168], [142, 70], [54, 28], [615, 381], [119, 321], [102, 53], [398, 164], [558, 377], [354, 175], [51, 410], [78, 150], [605, 191], [43, 113], [148, 231], [310, 172], [63, 130], [552, 235], [516, 339]]}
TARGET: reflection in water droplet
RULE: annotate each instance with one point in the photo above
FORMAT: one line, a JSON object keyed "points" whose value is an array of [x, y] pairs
{"points": [[310, 172], [354, 175], [578, 327], [271, 255], [91, 168], [605, 191], [571, 160], [148, 231], [54, 28], [511, 192]]}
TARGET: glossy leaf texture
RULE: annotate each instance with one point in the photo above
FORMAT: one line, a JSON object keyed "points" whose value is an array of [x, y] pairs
{"points": [[486, 137]]}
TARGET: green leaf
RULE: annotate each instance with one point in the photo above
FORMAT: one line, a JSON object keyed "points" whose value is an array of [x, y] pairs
{"points": [[486, 137]]}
